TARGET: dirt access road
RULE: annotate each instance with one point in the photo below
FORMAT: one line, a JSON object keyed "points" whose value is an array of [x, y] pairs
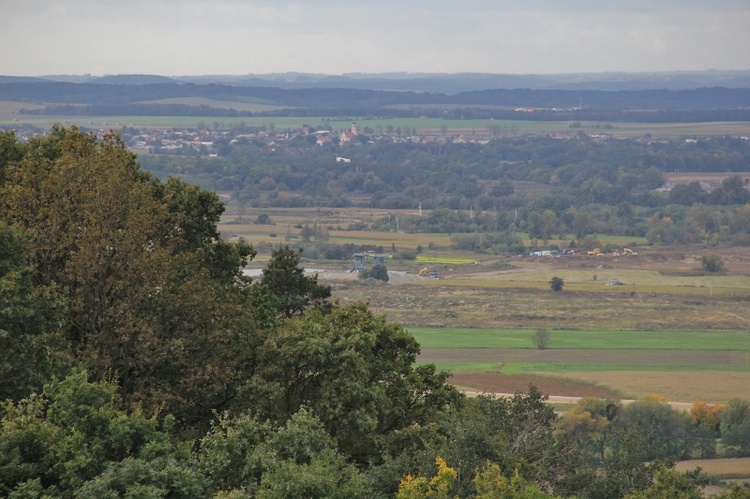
{"points": [[566, 391], [556, 399]]}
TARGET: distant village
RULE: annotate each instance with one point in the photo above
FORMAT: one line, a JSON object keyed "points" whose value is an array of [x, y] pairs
{"points": [[218, 141], [213, 142]]}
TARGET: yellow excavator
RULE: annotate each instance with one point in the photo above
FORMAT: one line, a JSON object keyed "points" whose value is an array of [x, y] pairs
{"points": [[628, 251], [594, 252], [422, 272]]}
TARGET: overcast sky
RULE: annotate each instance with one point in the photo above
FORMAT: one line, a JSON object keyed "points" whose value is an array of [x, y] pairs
{"points": [[235, 37]]}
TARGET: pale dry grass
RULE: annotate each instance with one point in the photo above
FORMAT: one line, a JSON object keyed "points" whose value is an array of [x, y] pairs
{"points": [[437, 302], [734, 467], [9, 110], [649, 281], [683, 386]]}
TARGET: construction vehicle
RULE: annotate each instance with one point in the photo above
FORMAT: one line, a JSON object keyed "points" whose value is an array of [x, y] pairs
{"points": [[594, 252], [422, 272], [628, 251]]}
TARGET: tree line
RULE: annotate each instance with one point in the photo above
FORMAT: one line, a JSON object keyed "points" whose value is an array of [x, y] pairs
{"points": [[137, 360], [579, 186], [339, 98]]}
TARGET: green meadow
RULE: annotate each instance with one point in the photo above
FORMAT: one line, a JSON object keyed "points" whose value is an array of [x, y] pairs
{"points": [[450, 337]]}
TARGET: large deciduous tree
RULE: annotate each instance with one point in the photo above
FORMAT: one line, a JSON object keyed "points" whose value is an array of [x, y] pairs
{"points": [[355, 371], [732, 190], [156, 298], [735, 426], [666, 431], [712, 262]]}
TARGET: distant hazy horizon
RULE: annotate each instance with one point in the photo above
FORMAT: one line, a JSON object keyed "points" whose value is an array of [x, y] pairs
{"points": [[241, 37], [387, 74]]}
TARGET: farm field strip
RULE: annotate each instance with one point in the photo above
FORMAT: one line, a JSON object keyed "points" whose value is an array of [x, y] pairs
{"points": [[478, 128], [634, 357], [288, 217], [738, 467], [632, 241], [575, 362], [711, 386], [514, 307], [686, 177], [463, 338], [542, 274], [508, 282], [686, 386], [263, 233], [458, 367], [444, 260], [576, 368]]}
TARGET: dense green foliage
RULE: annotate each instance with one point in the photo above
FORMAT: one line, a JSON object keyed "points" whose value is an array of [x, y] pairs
{"points": [[378, 272], [712, 262], [556, 283], [30, 316], [735, 426], [137, 361]]}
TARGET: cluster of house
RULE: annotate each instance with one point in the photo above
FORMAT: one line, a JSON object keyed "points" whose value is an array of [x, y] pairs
{"points": [[214, 142], [210, 142], [172, 140]]}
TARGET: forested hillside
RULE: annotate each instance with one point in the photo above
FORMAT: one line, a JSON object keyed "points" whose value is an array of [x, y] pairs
{"points": [[137, 361], [374, 101], [449, 83]]}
